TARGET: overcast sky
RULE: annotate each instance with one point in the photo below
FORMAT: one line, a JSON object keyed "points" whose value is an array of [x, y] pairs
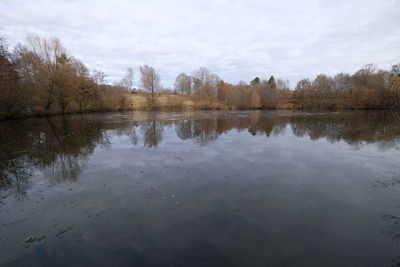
{"points": [[236, 40]]}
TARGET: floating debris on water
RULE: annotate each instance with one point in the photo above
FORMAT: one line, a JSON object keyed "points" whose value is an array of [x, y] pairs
{"points": [[61, 232], [31, 239]]}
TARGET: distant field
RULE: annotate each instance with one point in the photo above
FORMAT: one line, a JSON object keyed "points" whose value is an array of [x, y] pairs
{"points": [[142, 101], [167, 101]]}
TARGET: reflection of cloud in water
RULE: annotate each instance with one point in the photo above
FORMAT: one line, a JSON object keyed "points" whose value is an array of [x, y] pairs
{"points": [[250, 183], [61, 145]]}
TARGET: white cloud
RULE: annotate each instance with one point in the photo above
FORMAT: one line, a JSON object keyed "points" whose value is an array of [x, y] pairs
{"points": [[235, 39]]}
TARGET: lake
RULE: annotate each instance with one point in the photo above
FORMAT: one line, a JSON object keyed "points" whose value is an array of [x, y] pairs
{"points": [[201, 188]]}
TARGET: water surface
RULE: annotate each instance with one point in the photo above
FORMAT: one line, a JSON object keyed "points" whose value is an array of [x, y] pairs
{"points": [[245, 188]]}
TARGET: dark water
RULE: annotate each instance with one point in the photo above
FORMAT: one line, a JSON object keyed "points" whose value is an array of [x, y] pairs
{"points": [[201, 189]]}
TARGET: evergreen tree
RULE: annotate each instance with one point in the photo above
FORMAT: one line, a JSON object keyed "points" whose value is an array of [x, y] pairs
{"points": [[255, 81], [272, 82]]}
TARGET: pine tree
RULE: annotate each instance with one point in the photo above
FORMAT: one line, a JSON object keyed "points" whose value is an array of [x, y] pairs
{"points": [[272, 82]]}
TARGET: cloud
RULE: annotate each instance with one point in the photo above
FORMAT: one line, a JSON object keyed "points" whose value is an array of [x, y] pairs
{"points": [[235, 39]]}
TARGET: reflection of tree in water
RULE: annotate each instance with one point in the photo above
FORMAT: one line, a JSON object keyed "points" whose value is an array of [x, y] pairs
{"points": [[184, 129], [59, 146], [267, 128], [201, 131], [355, 128], [66, 167], [204, 131], [133, 135], [65, 162], [152, 132], [15, 168], [14, 175]]}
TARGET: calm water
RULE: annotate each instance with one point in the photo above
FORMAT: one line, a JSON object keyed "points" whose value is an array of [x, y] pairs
{"points": [[244, 188]]}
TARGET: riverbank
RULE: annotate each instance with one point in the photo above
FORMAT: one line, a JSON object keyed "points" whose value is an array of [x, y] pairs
{"points": [[170, 102]]}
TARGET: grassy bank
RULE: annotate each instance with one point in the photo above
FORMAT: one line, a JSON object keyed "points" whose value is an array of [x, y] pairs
{"points": [[165, 101], [170, 101]]}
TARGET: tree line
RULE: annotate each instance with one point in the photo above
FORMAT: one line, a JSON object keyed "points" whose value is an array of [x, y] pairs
{"points": [[209, 89], [367, 88], [40, 77]]}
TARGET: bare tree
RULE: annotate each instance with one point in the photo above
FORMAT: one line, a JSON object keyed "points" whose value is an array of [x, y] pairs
{"points": [[183, 84], [81, 83], [200, 77], [282, 84], [127, 81], [47, 56], [149, 79], [203, 76], [99, 78], [395, 85], [11, 95]]}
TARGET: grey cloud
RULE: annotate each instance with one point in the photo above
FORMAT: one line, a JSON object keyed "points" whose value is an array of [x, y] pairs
{"points": [[235, 39]]}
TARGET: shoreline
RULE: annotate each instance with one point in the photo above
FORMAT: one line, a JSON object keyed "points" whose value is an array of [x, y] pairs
{"points": [[4, 118]]}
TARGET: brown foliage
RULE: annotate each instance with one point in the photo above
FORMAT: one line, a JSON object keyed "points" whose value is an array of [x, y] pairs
{"points": [[41, 77], [368, 88]]}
